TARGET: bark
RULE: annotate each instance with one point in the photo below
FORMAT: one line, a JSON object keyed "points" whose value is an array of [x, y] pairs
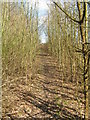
{"points": [[85, 61]]}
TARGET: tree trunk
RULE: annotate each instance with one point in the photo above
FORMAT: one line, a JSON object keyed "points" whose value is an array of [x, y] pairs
{"points": [[85, 61]]}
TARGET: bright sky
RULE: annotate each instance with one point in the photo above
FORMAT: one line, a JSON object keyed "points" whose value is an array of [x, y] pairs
{"points": [[43, 4], [43, 8]]}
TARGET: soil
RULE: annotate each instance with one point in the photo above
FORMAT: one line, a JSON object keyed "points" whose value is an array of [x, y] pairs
{"points": [[43, 96]]}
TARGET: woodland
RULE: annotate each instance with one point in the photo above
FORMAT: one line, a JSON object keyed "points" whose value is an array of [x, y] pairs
{"points": [[46, 81]]}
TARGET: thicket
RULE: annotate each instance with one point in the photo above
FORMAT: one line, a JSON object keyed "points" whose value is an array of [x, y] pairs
{"points": [[20, 38], [68, 41]]}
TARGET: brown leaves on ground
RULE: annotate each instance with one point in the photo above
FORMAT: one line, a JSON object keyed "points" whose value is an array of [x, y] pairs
{"points": [[46, 96]]}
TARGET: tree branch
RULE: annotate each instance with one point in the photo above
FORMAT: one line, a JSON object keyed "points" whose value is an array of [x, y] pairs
{"points": [[73, 19]]}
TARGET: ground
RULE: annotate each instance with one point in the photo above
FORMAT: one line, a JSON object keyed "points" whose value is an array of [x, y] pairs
{"points": [[44, 96]]}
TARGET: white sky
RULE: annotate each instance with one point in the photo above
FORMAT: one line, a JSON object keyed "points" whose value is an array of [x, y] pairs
{"points": [[43, 8], [43, 4]]}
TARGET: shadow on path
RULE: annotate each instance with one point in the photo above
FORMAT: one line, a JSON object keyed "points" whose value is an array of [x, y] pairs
{"points": [[47, 96]]}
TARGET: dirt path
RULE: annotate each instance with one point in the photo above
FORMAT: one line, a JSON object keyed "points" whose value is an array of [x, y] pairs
{"points": [[45, 97]]}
